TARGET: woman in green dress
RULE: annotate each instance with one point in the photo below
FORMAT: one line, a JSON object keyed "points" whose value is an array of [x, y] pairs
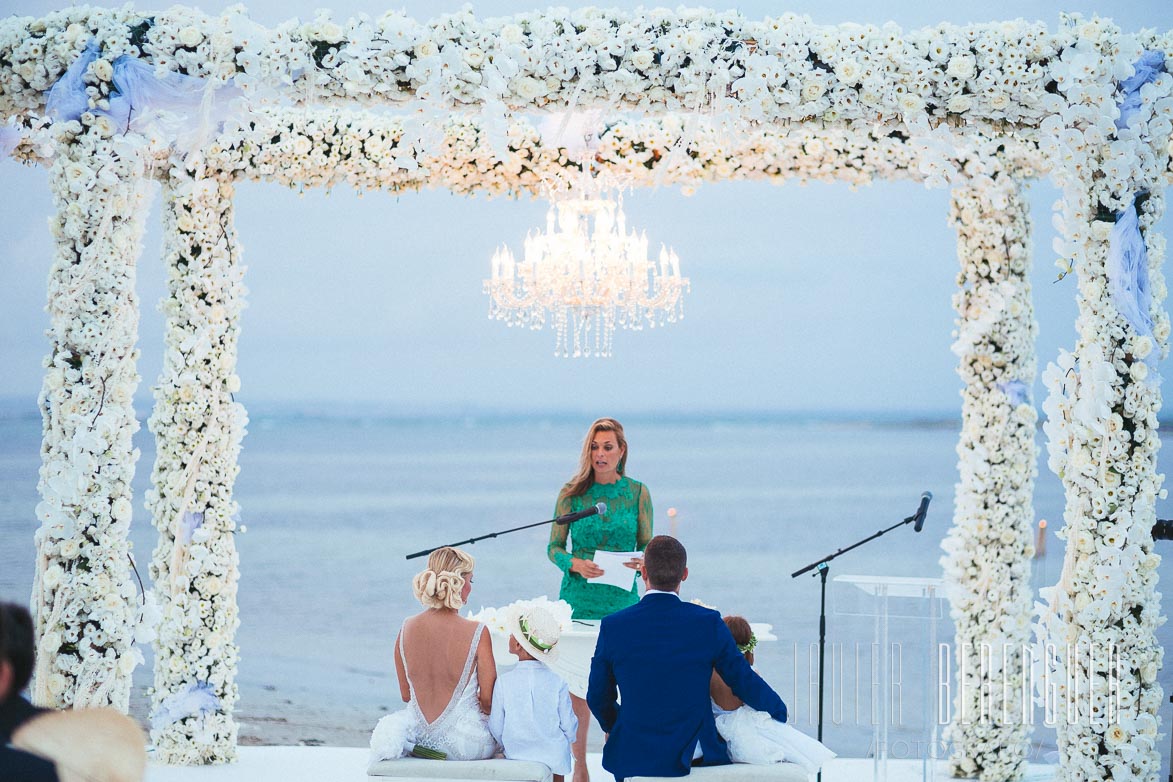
{"points": [[626, 526]]}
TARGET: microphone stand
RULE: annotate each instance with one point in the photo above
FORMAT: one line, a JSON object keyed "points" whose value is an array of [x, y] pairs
{"points": [[557, 520], [823, 566]]}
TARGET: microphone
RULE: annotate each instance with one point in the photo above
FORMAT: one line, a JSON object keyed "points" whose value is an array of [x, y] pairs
{"points": [[601, 509], [918, 518]]}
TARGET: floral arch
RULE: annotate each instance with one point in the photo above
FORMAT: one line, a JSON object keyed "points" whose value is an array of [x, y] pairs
{"points": [[693, 96]]}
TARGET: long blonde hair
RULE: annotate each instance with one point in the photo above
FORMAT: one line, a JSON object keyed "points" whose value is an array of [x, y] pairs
{"points": [[440, 583], [585, 476]]}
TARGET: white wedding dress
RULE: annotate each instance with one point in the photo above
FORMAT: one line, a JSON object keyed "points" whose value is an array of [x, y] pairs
{"points": [[461, 731], [755, 737]]}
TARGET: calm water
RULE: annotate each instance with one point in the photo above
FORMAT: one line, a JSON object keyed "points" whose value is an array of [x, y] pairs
{"points": [[333, 504]]}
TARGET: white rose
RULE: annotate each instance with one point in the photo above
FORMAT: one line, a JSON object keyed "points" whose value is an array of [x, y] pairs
{"points": [[232, 383], [961, 66], [121, 509], [1142, 346], [330, 32], [910, 104], [126, 664], [474, 57], [190, 36], [52, 576], [1115, 736], [528, 88], [512, 33], [1139, 371], [51, 643], [1101, 230], [813, 90], [642, 60], [102, 69], [594, 36], [56, 683], [426, 48], [104, 126], [848, 71], [70, 548]]}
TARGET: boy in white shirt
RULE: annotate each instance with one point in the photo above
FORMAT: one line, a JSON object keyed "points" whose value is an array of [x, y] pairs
{"points": [[531, 715]]}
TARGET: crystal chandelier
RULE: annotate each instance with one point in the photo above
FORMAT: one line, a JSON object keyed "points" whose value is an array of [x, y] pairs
{"points": [[587, 273]]}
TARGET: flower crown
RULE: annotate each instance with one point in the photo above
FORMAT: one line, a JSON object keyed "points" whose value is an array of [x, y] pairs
{"points": [[749, 645]]}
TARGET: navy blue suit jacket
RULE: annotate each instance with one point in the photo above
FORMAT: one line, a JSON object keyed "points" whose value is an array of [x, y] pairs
{"points": [[660, 654]]}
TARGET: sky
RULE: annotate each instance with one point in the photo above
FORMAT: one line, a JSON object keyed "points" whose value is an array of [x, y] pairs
{"points": [[809, 298]]}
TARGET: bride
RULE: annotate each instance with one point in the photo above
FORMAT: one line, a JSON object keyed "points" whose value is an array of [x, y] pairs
{"points": [[446, 671]]}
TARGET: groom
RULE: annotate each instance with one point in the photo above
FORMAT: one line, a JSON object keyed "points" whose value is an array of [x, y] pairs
{"points": [[661, 653]]}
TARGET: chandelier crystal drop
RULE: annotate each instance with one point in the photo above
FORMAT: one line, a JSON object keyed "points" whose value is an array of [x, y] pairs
{"points": [[587, 273]]}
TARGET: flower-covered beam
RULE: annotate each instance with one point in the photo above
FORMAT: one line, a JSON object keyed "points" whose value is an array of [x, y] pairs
{"points": [[86, 600], [783, 69], [198, 431], [300, 148], [1102, 437], [988, 550]]}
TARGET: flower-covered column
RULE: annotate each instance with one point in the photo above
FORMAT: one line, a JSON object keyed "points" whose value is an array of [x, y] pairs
{"points": [[198, 430], [1099, 621], [85, 598], [988, 550]]}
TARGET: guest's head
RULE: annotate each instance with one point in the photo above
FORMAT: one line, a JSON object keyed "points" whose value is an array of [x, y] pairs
{"points": [[446, 581], [665, 563], [742, 635], [16, 649], [604, 453]]}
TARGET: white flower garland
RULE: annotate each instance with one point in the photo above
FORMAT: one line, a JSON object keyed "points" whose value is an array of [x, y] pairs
{"points": [[198, 431], [1101, 428], [988, 549], [329, 148], [776, 69], [86, 601]]}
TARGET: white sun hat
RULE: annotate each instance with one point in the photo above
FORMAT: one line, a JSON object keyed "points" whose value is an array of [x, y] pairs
{"points": [[536, 629]]}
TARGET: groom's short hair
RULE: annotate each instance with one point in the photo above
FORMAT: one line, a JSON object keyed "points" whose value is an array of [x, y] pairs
{"points": [[664, 562]]}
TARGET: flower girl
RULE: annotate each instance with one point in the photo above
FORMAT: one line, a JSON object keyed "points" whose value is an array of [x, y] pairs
{"points": [[753, 736]]}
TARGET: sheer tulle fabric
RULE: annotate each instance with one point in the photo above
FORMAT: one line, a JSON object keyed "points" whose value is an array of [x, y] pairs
{"points": [[182, 108], [1128, 271], [757, 738]]}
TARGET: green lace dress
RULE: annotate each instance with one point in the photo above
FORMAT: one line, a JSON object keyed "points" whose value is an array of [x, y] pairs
{"points": [[627, 526]]}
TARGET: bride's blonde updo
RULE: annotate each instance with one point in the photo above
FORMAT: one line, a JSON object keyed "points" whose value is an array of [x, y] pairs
{"points": [[440, 584]]}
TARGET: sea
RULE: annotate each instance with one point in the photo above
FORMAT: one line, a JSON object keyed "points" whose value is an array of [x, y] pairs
{"points": [[335, 497]]}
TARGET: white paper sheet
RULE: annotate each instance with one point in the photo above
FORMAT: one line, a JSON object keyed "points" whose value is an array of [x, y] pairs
{"points": [[615, 572]]}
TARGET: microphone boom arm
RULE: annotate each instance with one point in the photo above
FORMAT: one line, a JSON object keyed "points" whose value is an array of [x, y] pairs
{"points": [[470, 541], [822, 563]]}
